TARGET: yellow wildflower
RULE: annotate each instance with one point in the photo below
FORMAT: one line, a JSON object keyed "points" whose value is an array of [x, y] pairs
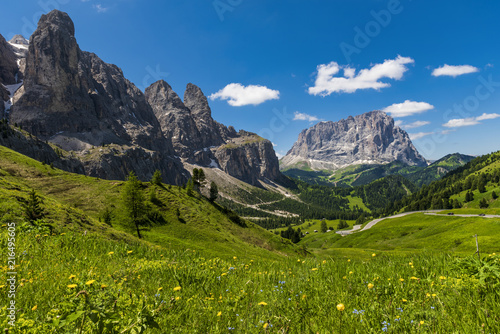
{"points": [[72, 286], [129, 252], [373, 255], [34, 308], [314, 269], [262, 304], [401, 279], [265, 325], [340, 307], [219, 314], [370, 285], [103, 286], [177, 288], [404, 300], [111, 253], [72, 276], [90, 282], [421, 322]]}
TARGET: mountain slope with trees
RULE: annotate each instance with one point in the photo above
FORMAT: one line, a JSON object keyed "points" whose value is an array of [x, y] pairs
{"points": [[473, 186]]}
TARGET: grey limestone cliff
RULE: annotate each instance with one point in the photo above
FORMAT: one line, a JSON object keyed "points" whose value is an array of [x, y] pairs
{"points": [[370, 138]]}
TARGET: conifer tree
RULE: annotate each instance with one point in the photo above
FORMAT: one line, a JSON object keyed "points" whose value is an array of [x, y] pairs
{"points": [[214, 191], [134, 201], [157, 179], [32, 207]]}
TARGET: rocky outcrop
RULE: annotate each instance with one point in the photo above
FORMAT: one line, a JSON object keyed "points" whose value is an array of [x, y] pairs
{"points": [[36, 149], [200, 140], [77, 101], [249, 158], [370, 138], [8, 65]]}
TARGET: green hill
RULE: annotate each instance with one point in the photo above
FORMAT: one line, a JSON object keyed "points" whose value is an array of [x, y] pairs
{"points": [[77, 202], [202, 272], [359, 175], [474, 186]]}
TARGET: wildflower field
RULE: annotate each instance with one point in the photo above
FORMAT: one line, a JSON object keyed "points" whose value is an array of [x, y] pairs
{"points": [[75, 283]]}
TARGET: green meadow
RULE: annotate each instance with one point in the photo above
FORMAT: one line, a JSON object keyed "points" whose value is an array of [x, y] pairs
{"points": [[200, 269]]}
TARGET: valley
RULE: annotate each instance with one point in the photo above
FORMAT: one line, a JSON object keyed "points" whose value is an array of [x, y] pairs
{"points": [[132, 210]]}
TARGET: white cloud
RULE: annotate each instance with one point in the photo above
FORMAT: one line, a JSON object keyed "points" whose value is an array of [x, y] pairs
{"points": [[327, 83], [487, 116], [279, 155], [100, 8], [418, 135], [416, 124], [407, 108], [459, 122], [239, 95], [398, 123], [454, 71], [298, 116]]}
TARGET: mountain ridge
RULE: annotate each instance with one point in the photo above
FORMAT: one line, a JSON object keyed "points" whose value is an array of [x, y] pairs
{"points": [[369, 138]]}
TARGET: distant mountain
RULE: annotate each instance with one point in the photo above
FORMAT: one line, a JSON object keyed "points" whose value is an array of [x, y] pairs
{"points": [[198, 139], [358, 175], [370, 138]]}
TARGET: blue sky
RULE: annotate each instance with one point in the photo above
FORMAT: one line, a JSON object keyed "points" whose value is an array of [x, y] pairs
{"points": [[278, 67]]}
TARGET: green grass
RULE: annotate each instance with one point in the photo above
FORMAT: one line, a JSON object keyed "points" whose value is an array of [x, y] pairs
{"points": [[72, 199], [205, 274], [353, 201], [419, 232], [127, 286]]}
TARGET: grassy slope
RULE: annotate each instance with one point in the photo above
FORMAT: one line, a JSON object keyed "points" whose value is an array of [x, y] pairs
{"points": [[419, 232], [69, 197]]}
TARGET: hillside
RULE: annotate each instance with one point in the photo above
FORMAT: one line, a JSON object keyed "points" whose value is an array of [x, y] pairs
{"points": [[474, 186], [78, 202], [364, 174]]}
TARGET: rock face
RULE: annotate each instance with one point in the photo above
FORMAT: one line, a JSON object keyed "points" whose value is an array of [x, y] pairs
{"points": [[200, 140], [370, 138], [8, 64], [75, 100], [87, 107]]}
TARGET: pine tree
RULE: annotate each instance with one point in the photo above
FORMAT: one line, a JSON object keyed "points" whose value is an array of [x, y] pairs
{"points": [[134, 201], [32, 207], [214, 191], [323, 227], [189, 187], [483, 204], [107, 216], [494, 195], [157, 179]]}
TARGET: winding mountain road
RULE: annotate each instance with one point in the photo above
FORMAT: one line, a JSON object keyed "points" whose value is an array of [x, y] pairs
{"points": [[427, 212]]}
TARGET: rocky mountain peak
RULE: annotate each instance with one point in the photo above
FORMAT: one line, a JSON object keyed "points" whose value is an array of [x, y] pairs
{"points": [[57, 21], [369, 138], [161, 93], [77, 101], [19, 39], [197, 102]]}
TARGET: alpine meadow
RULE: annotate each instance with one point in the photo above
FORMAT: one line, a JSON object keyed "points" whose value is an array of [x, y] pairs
{"points": [[335, 168]]}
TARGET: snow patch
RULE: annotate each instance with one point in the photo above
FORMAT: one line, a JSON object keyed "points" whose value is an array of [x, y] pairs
{"points": [[11, 89], [213, 164]]}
